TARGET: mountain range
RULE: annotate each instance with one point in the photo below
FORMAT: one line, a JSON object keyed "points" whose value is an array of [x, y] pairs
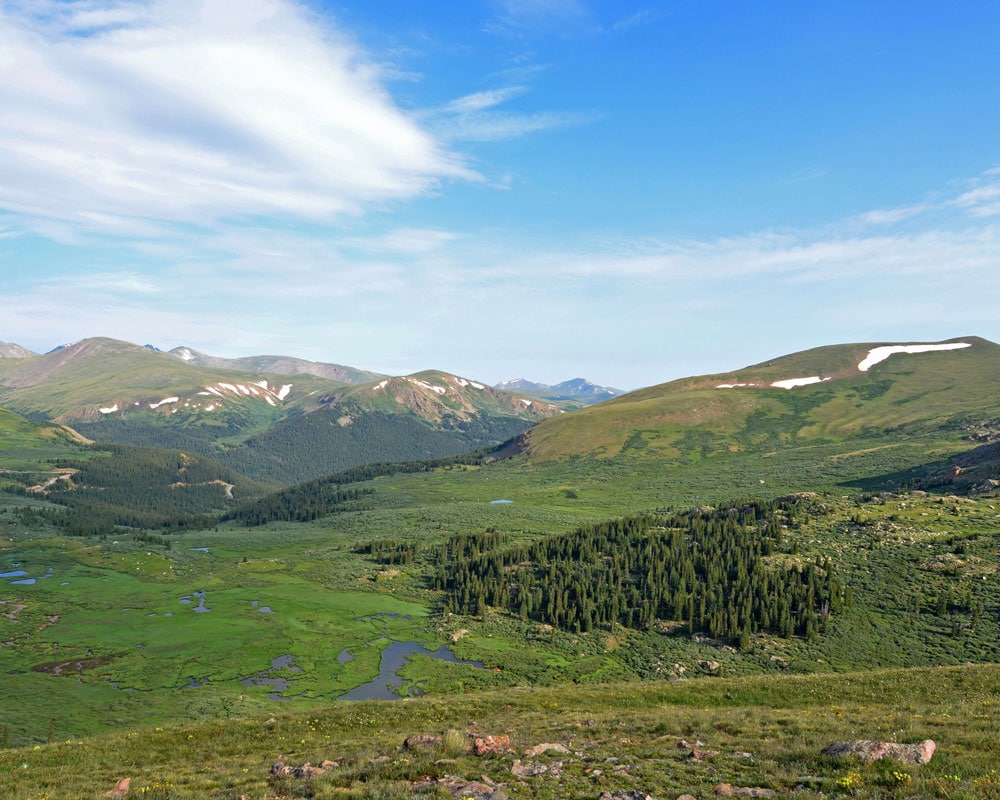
{"points": [[575, 393], [274, 418], [662, 534]]}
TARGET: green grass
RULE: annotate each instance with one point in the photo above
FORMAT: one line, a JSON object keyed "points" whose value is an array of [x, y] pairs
{"points": [[758, 732], [112, 598]]}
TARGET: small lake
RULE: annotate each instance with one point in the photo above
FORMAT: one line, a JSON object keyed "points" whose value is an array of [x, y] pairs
{"points": [[200, 608], [275, 682], [17, 573], [386, 684]]}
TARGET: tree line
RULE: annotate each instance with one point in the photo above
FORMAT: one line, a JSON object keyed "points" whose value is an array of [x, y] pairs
{"points": [[707, 569]]}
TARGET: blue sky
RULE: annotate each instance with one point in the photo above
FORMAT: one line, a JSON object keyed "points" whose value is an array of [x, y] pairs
{"points": [[627, 191]]}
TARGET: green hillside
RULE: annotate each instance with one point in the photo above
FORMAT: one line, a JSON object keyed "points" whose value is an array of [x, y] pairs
{"points": [[903, 396], [27, 449], [661, 741], [275, 427]]}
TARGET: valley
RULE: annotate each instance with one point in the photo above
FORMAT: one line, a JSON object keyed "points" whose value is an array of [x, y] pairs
{"points": [[148, 588]]}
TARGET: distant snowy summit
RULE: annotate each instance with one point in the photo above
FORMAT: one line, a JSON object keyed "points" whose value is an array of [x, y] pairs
{"points": [[577, 389]]}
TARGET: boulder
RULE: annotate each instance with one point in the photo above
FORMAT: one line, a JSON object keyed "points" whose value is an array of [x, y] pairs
{"points": [[306, 771], [492, 745], [461, 788], [726, 790], [421, 741], [525, 769], [868, 750], [538, 749], [121, 788]]}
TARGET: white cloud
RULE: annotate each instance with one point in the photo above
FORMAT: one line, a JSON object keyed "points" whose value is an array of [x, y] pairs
{"points": [[182, 112], [498, 126], [406, 241], [471, 119], [983, 201], [483, 100], [890, 216]]}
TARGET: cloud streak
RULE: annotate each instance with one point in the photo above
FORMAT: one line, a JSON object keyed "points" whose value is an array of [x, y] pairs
{"points": [[164, 112]]}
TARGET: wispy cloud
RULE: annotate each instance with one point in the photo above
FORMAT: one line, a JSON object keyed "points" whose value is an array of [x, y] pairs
{"points": [[473, 118], [983, 201], [561, 17], [637, 20], [482, 100], [163, 112], [890, 216]]}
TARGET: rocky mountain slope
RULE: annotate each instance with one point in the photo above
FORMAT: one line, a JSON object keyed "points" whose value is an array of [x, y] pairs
{"points": [[283, 426]]}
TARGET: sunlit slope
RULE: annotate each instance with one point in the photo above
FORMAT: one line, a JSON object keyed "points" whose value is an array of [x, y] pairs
{"points": [[30, 446], [102, 378], [944, 389], [438, 396]]}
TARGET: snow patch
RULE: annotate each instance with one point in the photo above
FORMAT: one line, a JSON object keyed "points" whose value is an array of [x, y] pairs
{"points": [[381, 385], [431, 386], [732, 385], [210, 407], [475, 385], [252, 390], [526, 402], [461, 382], [879, 354], [791, 383], [185, 355], [109, 409], [164, 402]]}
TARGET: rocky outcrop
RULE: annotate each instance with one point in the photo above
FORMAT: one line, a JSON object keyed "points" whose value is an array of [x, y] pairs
{"points": [[421, 741], [726, 790], [545, 747], [306, 771], [492, 745], [867, 750], [461, 788], [530, 769]]}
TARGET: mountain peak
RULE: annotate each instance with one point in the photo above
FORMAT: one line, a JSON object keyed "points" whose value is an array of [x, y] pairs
{"points": [[11, 350]]}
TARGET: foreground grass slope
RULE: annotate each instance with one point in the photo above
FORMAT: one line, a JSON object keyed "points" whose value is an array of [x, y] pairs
{"points": [[762, 732]]}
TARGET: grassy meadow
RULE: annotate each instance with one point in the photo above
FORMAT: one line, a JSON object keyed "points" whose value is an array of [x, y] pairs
{"points": [[756, 732]]}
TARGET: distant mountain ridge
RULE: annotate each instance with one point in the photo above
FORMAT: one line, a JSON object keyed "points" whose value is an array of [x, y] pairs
{"points": [[580, 390], [280, 426], [11, 350], [278, 365]]}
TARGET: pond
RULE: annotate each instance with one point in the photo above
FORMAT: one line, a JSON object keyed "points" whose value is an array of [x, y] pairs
{"points": [[386, 684], [200, 608], [276, 682]]}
